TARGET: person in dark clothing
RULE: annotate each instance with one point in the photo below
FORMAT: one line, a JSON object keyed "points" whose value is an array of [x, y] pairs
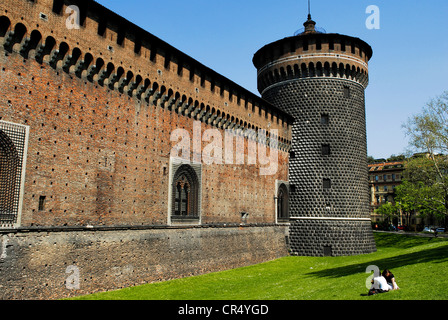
{"points": [[390, 278]]}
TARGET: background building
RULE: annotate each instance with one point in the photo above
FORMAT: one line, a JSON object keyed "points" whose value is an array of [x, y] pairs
{"points": [[383, 179]]}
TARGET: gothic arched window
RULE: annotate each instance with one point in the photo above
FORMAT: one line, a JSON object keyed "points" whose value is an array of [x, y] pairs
{"points": [[185, 193], [282, 203], [182, 197], [9, 165]]}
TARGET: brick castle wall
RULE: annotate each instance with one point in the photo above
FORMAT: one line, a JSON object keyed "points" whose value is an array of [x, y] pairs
{"points": [[102, 158], [101, 103], [98, 151]]}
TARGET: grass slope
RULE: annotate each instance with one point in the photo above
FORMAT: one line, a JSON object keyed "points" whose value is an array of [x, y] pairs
{"points": [[419, 264]]}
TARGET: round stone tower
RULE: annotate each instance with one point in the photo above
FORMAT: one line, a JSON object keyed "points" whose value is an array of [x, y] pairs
{"points": [[320, 79]]}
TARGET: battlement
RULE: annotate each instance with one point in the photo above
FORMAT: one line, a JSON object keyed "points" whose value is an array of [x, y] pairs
{"points": [[114, 53], [309, 55]]}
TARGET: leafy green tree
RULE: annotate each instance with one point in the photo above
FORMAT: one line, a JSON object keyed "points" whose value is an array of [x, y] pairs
{"points": [[370, 159], [394, 158], [426, 177], [428, 131], [407, 200], [388, 210], [424, 189]]}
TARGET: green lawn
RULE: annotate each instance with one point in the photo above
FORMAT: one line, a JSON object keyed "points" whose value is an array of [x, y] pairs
{"points": [[419, 264]]}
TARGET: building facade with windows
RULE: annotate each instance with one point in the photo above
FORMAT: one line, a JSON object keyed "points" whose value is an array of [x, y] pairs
{"points": [[383, 179]]}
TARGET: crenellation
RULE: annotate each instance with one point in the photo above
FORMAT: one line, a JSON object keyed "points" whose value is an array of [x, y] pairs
{"points": [[104, 30]]}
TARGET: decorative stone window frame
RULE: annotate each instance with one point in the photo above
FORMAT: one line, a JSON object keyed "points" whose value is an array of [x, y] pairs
{"points": [[18, 136], [278, 183], [175, 165]]}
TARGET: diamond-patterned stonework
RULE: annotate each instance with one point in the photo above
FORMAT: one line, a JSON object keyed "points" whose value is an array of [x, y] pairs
{"points": [[330, 116]]}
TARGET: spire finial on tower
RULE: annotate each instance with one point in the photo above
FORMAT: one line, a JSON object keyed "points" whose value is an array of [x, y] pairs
{"points": [[309, 24], [309, 9]]}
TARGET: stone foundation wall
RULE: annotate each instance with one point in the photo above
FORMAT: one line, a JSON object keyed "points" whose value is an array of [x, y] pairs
{"points": [[55, 264]]}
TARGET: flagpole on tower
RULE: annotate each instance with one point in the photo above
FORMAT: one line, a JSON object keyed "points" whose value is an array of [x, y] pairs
{"points": [[309, 9]]}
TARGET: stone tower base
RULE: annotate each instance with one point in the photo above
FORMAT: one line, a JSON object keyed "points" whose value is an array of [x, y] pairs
{"points": [[331, 237]]}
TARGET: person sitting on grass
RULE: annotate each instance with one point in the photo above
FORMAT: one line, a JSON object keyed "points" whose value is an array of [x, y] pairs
{"points": [[390, 278], [379, 285]]}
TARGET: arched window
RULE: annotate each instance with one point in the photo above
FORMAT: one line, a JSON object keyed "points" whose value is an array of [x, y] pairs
{"points": [[282, 203], [185, 194], [13, 146], [177, 199], [181, 199], [9, 166]]}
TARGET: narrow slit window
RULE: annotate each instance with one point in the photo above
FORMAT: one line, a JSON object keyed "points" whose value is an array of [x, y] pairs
{"points": [[326, 150], [346, 92], [42, 203], [324, 119], [327, 184]]}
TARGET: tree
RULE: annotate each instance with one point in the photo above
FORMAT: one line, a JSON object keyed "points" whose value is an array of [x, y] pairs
{"points": [[426, 177], [388, 210], [407, 197], [428, 131], [423, 189], [370, 159], [394, 158]]}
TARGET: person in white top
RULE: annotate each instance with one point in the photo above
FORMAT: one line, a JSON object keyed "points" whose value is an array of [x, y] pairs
{"points": [[379, 285]]}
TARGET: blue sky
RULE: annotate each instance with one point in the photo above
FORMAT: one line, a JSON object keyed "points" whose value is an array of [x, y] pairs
{"points": [[410, 50]]}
